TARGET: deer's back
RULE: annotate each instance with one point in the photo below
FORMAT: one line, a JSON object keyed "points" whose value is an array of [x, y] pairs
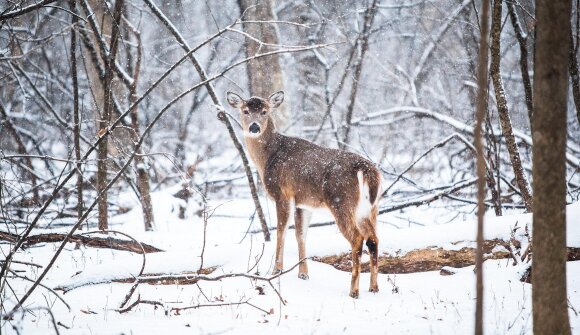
{"points": [[310, 174]]}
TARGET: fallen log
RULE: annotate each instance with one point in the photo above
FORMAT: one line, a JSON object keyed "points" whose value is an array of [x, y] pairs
{"points": [[573, 255], [94, 242], [431, 258]]}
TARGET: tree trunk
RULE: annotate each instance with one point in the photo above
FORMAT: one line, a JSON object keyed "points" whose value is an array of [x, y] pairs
{"points": [[264, 74], [310, 103], [140, 162], [482, 93], [502, 108], [102, 179], [574, 77], [549, 297], [6, 122], [76, 112], [362, 42], [522, 41]]}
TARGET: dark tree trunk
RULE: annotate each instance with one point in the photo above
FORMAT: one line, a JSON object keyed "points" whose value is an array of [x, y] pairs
{"points": [[522, 41], [574, 76], [482, 93], [76, 112], [549, 297]]}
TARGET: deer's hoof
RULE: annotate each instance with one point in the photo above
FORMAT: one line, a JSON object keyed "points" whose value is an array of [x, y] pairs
{"points": [[374, 289], [303, 276], [353, 294]]}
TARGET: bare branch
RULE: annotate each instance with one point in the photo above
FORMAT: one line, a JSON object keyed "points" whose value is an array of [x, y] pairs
{"points": [[17, 12]]}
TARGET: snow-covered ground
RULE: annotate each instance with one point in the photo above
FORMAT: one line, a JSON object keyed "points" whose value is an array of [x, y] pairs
{"points": [[416, 303]]}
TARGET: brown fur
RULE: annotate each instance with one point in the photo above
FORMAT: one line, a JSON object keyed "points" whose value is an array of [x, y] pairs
{"points": [[297, 173]]}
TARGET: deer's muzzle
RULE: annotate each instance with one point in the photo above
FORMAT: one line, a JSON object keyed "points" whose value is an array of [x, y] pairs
{"points": [[254, 128]]}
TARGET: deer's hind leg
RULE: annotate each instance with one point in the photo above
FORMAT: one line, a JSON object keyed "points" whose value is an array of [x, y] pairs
{"points": [[373, 246], [301, 221], [345, 220]]}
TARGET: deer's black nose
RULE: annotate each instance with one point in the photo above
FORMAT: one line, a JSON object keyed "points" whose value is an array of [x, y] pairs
{"points": [[254, 128]]}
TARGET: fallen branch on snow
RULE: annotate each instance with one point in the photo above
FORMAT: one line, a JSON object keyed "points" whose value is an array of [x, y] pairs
{"points": [[177, 310], [95, 242], [183, 279]]}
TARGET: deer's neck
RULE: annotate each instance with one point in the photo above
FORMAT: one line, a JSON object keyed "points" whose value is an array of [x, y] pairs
{"points": [[261, 148]]}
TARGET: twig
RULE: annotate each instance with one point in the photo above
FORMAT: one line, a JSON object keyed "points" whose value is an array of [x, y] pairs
{"points": [[24, 10], [139, 301], [438, 145], [15, 274]]}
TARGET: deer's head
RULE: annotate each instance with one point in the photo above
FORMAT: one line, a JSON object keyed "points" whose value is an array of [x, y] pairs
{"points": [[255, 112]]}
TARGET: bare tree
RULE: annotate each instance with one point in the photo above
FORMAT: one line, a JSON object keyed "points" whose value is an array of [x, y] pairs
{"points": [[76, 111], [265, 74], [102, 178], [143, 186], [549, 297], [502, 106], [482, 93], [7, 123], [312, 68], [361, 45], [522, 42], [574, 75]]}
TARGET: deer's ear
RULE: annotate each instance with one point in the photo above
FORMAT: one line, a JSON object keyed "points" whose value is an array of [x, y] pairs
{"points": [[276, 99], [234, 100]]}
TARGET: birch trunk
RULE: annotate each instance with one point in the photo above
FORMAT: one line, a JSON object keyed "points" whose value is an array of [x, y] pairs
{"points": [[502, 107]]}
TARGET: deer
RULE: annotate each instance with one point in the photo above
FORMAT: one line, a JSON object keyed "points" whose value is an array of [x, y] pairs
{"points": [[301, 176]]}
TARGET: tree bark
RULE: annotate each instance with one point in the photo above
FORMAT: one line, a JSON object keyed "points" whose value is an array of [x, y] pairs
{"points": [[362, 43], [264, 74], [6, 122], [102, 179], [310, 103], [502, 108], [552, 55], [76, 112], [143, 186], [482, 93], [522, 41], [574, 76]]}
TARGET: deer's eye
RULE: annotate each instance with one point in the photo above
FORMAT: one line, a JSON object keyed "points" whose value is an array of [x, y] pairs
{"points": [[263, 112], [246, 112]]}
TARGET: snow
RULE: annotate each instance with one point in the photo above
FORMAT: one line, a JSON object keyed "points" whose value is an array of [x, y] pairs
{"points": [[415, 303]]}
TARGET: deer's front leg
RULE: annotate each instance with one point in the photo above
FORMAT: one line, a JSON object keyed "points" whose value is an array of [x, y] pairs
{"points": [[301, 221], [283, 208]]}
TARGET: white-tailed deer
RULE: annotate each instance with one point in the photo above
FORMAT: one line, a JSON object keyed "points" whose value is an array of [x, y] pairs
{"points": [[300, 175]]}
